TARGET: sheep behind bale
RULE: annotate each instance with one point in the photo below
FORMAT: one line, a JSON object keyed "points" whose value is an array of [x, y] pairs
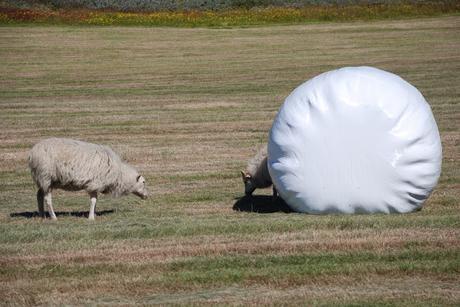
{"points": [[256, 175], [71, 165]]}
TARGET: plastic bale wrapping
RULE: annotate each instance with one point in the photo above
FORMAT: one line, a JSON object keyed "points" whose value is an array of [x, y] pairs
{"points": [[355, 140]]}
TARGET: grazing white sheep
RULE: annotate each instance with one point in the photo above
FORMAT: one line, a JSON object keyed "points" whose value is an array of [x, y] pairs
{"points": [[71, 165], [256, 175]]}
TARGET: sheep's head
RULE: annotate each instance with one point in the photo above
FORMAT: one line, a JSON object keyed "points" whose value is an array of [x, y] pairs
{"points": [[249, 185], [139, 188]]}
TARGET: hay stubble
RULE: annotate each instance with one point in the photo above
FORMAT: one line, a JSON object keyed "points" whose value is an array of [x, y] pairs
{"points": [[188, 107]]}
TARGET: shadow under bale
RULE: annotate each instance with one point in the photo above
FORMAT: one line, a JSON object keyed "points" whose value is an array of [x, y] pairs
{"points": [[32, 214], [261, 204]]}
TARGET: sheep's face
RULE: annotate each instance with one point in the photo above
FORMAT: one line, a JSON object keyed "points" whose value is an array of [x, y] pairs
{"points": [[248, 181], [139, 188]]}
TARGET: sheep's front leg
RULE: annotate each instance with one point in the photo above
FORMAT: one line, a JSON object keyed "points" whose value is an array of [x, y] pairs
{"points": [[92, 208], [49, 203], [275, 193]]}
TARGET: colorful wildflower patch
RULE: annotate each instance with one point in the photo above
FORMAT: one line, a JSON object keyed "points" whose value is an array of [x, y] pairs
{"points": [[226, 18]]}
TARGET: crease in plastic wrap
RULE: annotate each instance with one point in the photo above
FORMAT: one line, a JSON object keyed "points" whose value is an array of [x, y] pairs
{"points": [[355, 140]]}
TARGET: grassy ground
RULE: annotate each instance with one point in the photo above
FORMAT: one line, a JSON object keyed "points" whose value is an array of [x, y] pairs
{"points": [[188, 107]]}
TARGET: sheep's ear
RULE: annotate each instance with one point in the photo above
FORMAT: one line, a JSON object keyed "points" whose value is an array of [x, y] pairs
{"points": [[138, 177], [245, 175]]}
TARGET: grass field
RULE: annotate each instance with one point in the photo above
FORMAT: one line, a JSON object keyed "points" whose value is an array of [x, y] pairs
{"points": [[188, 107]]}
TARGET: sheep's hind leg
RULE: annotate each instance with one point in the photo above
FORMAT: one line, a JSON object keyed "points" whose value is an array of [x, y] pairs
{"points": [[92, 208], [41, 202], [49, 203]]}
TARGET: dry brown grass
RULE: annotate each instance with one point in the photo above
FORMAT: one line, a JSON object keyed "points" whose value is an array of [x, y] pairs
{"points": [[154, 252], [188, 107]]}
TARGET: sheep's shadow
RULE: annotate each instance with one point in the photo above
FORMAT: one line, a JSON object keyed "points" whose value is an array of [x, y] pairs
{"points": [[32, 214], [261, 204]]}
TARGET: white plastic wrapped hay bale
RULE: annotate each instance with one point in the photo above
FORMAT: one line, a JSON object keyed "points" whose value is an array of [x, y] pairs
{"points": [[355, 140]]}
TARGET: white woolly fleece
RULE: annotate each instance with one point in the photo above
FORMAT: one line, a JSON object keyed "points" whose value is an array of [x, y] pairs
{"points": [[75, 165]]}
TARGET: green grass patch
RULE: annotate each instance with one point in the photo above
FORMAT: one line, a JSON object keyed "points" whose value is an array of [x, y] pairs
{"points": [[128, 225], [237, 269]]}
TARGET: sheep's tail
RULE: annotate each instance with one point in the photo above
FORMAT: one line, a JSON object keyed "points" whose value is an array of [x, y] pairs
{"points": [[35, 158]]}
